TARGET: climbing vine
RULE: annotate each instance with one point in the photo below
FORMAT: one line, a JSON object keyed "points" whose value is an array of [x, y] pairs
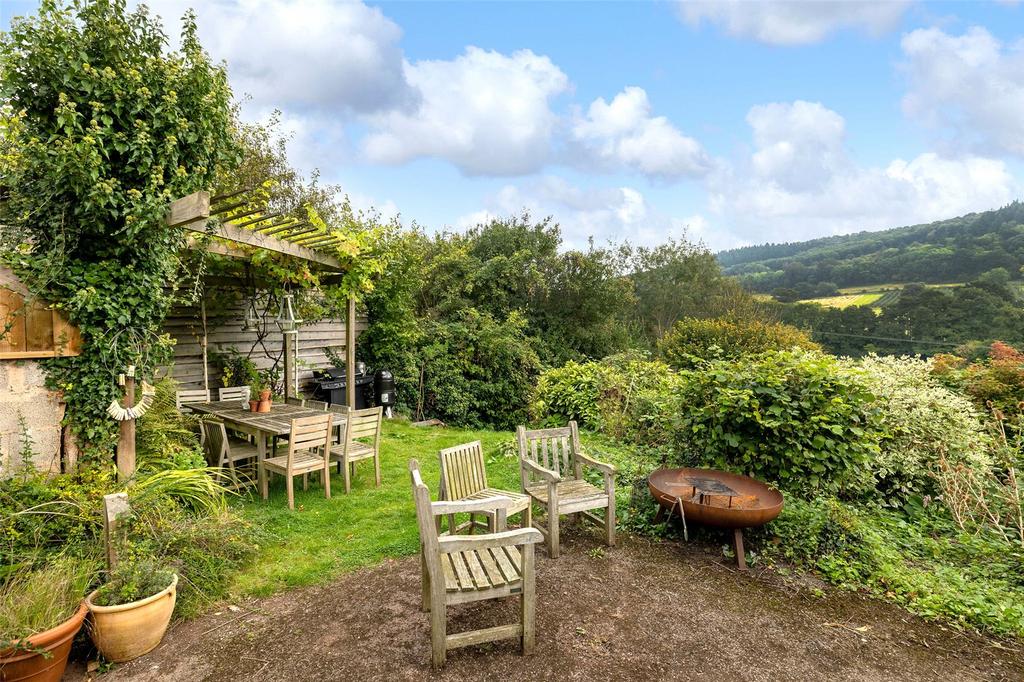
{"points": [[104, 126]]}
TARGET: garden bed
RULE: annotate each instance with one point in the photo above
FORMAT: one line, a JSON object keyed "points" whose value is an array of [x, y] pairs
{"points": [[640, 610]]}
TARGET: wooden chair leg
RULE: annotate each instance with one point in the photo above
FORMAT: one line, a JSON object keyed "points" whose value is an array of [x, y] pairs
{"points": [[290, 485], [305, 482], [609, 523], [425, 580], [553, 547], [528, 517], [376, 467], [263, 474], [348, 481], [528, 604], [326, 475], [438, 627]]}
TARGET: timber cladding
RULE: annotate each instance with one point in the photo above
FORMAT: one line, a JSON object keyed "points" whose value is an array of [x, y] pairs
{"points": [[32, 330], [224, 332]]}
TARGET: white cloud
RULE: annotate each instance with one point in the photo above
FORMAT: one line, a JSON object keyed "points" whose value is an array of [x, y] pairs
{"points": [[970, 88], [793, 22], [486, 112], [606, 213], [305, 55], [622, 134], [800, 182]]}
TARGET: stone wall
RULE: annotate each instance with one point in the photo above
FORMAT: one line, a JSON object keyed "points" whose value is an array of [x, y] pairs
{"points": [[23, 395]]}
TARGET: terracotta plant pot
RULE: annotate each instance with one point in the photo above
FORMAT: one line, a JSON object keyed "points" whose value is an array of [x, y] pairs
{"points": [[265, 394], [254, 405], [18, 666], [264, 406], [127, 631]]}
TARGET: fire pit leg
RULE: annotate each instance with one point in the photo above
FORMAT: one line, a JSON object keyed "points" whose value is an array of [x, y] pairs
{"points": [[737, 543], [660, 515]]}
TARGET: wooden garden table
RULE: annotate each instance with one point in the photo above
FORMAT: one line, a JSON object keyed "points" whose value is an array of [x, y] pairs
{"points": [[261, 425]]}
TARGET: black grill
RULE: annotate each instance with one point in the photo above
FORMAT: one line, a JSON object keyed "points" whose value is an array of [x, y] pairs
{"points": [[331, 385]]}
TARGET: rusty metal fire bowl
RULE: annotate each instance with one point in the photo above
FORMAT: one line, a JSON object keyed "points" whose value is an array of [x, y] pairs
{"points": [[716, 498]]}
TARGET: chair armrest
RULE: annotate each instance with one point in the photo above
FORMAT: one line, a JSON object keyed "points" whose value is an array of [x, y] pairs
{"points": [[547, 474], [594, 464], [445, 507], [508, 538]]}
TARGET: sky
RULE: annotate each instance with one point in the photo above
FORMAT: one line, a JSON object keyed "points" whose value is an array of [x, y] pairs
{"points": [[731, 122]]}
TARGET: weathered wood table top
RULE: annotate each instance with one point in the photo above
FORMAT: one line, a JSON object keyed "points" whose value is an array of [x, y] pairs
{"points": [[277, 422]]}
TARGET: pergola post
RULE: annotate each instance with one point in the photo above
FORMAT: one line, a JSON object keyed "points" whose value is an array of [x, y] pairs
{"points": [[350, 354], [290, 375]]}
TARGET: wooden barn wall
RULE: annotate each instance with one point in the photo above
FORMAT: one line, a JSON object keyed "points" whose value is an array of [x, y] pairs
{"points": [[224, 331]]}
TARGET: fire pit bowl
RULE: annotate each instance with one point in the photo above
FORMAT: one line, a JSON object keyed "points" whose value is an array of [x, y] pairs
{"points": [[716, 498]]}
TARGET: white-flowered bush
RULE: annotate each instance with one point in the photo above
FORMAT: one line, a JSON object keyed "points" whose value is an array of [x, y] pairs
{"points": [[925, 421]]}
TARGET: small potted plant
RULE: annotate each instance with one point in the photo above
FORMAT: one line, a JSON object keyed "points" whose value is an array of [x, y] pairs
{"points": [[41, 611], [264, 394], [254, 391], [131, 611]]}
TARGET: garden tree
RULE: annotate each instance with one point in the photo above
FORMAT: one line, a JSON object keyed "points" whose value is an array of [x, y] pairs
{"points": [[105, 127], [680, 279]]}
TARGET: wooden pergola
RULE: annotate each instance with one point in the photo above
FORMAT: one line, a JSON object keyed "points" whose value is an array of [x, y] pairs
{"points": [[245, 221]]}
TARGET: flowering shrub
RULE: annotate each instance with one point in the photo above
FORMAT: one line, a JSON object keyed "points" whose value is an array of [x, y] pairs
{"points": [[924, 422]]}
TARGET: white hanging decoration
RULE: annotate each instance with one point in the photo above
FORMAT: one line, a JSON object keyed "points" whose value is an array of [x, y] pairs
{"points": [[140, 408]]}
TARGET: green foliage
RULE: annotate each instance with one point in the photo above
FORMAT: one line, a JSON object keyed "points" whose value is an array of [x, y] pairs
{"points": [[797, 419], [917, 558], [995, 381], [33, 601], [925, 423], [165, 437], [134, 578], [691, 341], [959, 249], [109, 129]]}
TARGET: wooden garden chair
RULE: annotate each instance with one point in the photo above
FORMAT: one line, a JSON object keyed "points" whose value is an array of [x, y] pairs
{"points": [[551, 465], [464, 477], [459, 568], [359, 424], [224, 451], [239, 393], [309, 445], [182, 399]]}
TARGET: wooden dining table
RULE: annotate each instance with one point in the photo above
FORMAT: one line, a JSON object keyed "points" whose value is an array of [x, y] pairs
{"points": [[262, 426]]}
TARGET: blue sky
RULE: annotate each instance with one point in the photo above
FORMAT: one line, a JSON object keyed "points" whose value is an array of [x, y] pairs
{"points": [[736, 122]]}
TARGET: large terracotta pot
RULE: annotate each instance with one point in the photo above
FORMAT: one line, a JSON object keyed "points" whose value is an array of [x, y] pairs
{"points": [[17, 666], [127, 631]]}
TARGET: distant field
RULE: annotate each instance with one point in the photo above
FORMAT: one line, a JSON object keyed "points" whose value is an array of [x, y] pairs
{"points": [[846, 300]]}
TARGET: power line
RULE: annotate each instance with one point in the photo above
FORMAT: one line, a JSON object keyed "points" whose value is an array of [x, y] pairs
{"points": [[889, 338]]}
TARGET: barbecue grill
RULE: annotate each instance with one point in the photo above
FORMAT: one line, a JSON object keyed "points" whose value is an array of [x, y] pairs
{"points": [[330, 385]]}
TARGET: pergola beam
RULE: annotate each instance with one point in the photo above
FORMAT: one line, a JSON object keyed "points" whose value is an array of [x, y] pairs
{"points": [[193, 211]]}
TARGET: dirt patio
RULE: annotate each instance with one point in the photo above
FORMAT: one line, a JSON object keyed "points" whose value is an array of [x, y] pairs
{"points": [[638, 611]]}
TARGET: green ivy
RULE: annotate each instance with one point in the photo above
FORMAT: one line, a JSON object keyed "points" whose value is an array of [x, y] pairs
{"points": [[105, 128]]}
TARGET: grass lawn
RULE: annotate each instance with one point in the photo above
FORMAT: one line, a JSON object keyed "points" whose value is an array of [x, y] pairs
{"points": [[324, 538]]}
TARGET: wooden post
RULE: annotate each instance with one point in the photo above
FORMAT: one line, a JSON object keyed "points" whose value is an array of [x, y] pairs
{"points": [[290, 375], [126, 442], [350, 354], [114, 507], [203, 343]]}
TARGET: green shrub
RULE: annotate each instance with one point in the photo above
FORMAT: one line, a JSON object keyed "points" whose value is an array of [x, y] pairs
{"points": [[925, 422], [133, 579], [916, 558], [626, 396], [691, 340], [797, 419], [165, 437]]}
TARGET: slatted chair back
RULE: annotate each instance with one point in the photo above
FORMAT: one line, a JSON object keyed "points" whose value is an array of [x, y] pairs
{"points": [[216, 442], [339, 409], [310, 433], [462, 471], [365, 424], [317, 405], [189, 396], [234, 393], [427, 525], [298, 402], [553, 449]]}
